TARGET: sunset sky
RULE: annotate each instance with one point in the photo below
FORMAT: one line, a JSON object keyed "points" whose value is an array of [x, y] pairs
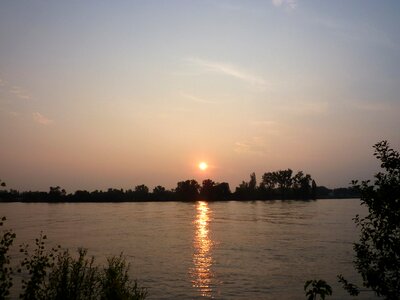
{"points": [[98, 94]]}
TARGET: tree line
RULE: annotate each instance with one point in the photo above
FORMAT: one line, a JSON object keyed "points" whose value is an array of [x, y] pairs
{"points": [[277, 185]]}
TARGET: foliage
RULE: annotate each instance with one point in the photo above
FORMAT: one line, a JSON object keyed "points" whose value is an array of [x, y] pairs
{"points": [[284, 180], [115, 281], [56, 193], [349, 287], [248, 190], [285, 184], [378, 251], [281, 184], [73, 278], [314, 288], [36, 266], [187, 190], [53, 274], [214, 191], [6, 271], [141, 192]]}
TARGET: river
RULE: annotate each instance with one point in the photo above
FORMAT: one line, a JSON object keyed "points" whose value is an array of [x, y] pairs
{"points": [[220, 250]]}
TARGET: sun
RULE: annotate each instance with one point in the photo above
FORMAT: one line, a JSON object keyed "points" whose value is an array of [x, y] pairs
{"points": [[203, 166]]}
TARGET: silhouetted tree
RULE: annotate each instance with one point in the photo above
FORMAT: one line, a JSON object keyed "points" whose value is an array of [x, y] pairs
{"points": [[247, 190], [141, 192], [116, 195], [222, 191], [83, 196], [3, 193], [244, 186], [207, 189], [284, 181], [143, 189], [57, 191], [159, 189], [267, 186], [252, 182], [187, 190], [214, 191], [268, 181], [56, 194], [274, 185], [378, 251], [160, 193], [301, 185]]}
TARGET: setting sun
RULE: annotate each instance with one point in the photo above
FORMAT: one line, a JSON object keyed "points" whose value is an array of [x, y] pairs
{"points": [[203, 166]]}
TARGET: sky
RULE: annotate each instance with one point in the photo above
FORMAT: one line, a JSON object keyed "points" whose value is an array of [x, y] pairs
{"points": [[99, 94]]}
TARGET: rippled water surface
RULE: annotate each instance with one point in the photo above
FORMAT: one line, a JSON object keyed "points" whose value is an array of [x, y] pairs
{"points": [[221, 250]]}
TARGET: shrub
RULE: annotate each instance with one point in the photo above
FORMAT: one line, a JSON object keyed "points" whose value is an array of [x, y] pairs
{"points": [[72, 278], [378, 251], [313, 288], [36, 267], [115, 281], [6, 271], [53, 274]]}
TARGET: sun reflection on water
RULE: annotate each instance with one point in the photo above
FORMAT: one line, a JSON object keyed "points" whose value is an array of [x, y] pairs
{"points": [[202, 256]]}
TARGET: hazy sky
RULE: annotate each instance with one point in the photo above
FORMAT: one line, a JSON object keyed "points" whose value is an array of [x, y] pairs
{"points": [[98, 94]]}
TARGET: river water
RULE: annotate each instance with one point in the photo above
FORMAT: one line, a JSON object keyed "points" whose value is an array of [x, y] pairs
{"points": [[220, 250]]}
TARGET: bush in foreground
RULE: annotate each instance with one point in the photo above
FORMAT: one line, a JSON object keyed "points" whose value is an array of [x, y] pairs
{"points": [[7, 239], [56, 274], [377, 253], [314, 288]]}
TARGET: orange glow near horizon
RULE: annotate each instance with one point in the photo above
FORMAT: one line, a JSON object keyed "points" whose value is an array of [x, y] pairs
{"points": [[202, 244]]}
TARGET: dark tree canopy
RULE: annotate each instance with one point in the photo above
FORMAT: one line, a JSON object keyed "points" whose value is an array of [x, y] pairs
{"points": [[211, 190], [378, 251], [281, 184], [187, 190]]}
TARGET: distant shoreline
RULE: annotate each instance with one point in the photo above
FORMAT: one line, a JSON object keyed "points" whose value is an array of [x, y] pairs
{"points": [[278, 185], [179, 201]]}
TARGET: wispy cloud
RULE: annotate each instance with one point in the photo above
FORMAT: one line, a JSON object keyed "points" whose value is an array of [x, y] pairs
{"points": [[20, 93], [229, 70], [17, 91], [291, 4], [195, 98], [39, 118], [255, 145]]}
